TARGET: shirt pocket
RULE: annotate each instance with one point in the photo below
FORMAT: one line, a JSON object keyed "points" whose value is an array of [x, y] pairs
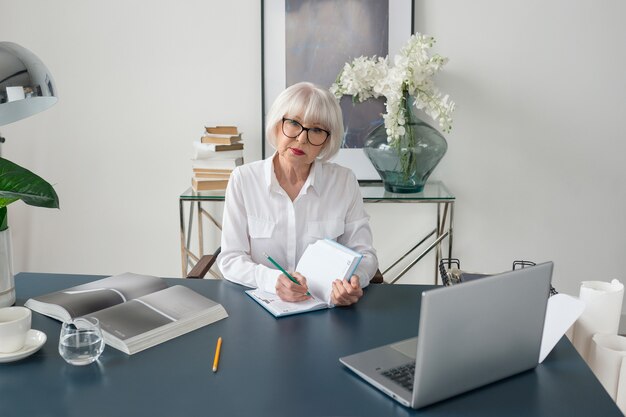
{"points": [[327, 229], [260, 228]]}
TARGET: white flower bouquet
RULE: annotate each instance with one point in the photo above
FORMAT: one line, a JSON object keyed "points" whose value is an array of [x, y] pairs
{"points": [[410, 75]]}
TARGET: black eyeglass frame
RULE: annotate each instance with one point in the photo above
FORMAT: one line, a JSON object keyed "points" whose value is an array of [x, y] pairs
{"points": [[302, 128]]}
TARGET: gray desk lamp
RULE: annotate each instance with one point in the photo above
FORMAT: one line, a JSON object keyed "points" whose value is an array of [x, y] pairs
{"points": [[26, 88]]}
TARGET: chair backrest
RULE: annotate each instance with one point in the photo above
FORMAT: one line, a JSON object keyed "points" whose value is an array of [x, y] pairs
{"points": [[377, 278]]}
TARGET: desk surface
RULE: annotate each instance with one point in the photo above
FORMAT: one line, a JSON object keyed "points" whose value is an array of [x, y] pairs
{"points": [[270, 367], [433, 191]]}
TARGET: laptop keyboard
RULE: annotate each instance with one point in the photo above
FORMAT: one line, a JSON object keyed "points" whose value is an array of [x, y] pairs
{"points": [[402, 375]]}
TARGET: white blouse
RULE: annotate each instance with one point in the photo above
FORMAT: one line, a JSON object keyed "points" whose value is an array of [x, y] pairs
{"points": [[259, 217]]}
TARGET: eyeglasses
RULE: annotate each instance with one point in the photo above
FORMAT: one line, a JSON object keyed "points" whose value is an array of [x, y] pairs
{"points": [[315, 135]]}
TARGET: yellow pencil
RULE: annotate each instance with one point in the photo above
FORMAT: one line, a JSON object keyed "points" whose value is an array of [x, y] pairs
{"points": [[217, 353]]}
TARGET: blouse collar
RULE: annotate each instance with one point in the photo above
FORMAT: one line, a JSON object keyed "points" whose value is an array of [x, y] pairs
{"points": [[315, 178]]}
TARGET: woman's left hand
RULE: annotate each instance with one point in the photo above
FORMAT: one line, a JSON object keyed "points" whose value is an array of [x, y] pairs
{"points": [[346, 293]]}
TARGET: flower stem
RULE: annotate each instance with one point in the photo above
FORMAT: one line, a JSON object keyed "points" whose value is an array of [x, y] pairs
{"points": [[405, 144]]}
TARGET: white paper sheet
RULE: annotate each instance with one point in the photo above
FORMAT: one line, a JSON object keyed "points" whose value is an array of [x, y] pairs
{"points": [[602, 313], [606, 359], [561, 313], [621, 388]]}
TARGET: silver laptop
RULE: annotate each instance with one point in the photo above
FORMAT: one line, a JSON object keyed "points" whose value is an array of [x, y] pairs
{"points": [[470, 334]]}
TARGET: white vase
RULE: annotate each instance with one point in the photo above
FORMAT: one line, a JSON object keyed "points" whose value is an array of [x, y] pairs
{"points": [[7, 284]]}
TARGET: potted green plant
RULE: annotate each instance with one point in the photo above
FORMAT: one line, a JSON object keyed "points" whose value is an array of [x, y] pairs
{"points": [[17, 183]]}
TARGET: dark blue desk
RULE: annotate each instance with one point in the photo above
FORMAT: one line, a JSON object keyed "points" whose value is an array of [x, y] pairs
{"points": [[270, 367]]}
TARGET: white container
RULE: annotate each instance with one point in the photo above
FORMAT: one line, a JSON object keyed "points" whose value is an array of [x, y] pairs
{"points": [[7, 284]]}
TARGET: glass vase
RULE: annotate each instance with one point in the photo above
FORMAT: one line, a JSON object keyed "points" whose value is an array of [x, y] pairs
{"points": [[406, 164]]}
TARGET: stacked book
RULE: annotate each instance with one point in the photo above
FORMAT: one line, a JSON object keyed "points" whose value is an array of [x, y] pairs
{"points": [[217, 153]]}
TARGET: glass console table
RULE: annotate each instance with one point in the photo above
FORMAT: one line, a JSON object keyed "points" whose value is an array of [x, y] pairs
{"points": [[434, 192]]}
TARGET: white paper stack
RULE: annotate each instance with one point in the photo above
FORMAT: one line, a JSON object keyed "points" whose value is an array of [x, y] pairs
{"points": [[603, 308]]}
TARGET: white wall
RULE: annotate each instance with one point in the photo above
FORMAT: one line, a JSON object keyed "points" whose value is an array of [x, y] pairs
{"points": [[535, 156], [137, 83]]}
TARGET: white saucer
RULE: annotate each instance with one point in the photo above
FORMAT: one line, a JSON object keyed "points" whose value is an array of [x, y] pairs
{"points": [[34, 341]]}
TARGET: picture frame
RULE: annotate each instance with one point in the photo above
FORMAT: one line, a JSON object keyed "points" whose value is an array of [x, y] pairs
{"points": [[311, 40]]}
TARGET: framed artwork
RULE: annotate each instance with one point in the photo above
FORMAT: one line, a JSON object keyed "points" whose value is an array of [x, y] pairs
{"points": [[311, 40]]}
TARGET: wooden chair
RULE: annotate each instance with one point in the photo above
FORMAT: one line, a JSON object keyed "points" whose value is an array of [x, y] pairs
{"points": [[206, 262]]}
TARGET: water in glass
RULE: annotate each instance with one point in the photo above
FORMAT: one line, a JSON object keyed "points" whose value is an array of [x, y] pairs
{"points": [[81, 341]]}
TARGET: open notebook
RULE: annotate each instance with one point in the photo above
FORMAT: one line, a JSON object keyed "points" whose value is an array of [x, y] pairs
{"points": [[321, 263]]}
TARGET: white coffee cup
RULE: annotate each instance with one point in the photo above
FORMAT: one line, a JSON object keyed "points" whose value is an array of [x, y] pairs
{"points": [[14, 325]]}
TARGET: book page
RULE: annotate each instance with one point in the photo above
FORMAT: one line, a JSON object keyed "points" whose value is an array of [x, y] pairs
{"points": [[97, 295], [130, 319], [152, 311], [178, 302], [323, 262], [278, 307]]}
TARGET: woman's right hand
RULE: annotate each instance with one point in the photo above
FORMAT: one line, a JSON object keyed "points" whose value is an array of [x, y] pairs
{"points": [[290, 291]]}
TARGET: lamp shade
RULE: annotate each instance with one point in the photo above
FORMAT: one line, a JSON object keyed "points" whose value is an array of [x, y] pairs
{"points": [[26, 85]]}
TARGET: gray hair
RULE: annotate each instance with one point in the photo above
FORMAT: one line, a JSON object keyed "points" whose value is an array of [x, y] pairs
{"points": [[314, 105]]}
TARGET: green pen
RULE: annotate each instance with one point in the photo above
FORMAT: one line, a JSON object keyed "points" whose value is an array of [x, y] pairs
{"points": [[295, 281]]}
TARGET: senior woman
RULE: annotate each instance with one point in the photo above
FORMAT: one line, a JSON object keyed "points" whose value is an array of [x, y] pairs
{"points": [[282, 204]]}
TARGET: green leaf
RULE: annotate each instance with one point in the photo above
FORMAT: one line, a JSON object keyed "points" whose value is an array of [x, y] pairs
{"points": [[17, 183], [6, 201]]}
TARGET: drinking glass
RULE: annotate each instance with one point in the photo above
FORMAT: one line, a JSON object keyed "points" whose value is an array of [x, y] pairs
{"points": [[81, 341]]}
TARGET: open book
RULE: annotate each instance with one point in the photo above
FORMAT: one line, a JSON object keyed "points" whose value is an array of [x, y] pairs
{"points": [[135, 311], [321, 263]]}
